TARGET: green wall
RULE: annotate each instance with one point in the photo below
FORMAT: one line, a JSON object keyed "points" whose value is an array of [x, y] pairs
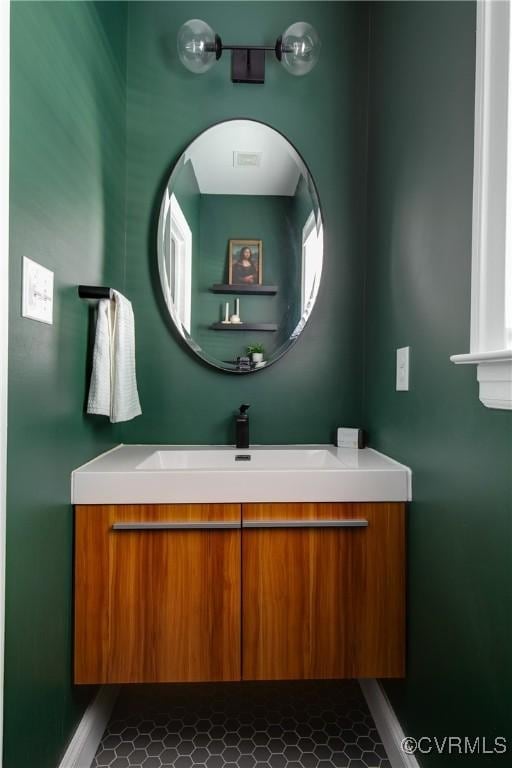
{"points": [[67, 212], [324, 115], [418, 294]]}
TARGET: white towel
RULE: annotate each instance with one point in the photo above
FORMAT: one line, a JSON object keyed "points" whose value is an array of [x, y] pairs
{"points": [[113, 388]]}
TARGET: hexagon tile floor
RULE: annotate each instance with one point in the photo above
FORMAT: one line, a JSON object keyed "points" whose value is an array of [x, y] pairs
{"points": [[242, 725]]}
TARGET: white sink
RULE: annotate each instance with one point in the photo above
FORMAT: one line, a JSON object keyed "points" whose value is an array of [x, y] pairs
{"points": [[241, 460], [174, 474]]}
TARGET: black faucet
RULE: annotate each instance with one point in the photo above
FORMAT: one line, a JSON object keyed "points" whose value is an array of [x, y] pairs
{"points": [[242, 427]]}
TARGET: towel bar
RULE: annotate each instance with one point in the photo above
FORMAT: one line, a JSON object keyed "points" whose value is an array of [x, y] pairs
{"points": [[93, 292]]}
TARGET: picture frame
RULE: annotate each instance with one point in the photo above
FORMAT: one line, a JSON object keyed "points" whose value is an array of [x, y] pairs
{"points": [[245, 262]]}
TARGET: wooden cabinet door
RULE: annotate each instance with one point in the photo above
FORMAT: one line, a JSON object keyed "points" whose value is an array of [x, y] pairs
{"points": [[322, 602], [157, 593]]}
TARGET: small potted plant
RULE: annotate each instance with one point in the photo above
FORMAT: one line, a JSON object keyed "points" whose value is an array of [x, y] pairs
{"points": [[256, 351]]}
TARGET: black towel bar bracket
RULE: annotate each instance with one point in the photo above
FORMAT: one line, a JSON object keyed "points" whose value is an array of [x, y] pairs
{"points": [[93, 292]]}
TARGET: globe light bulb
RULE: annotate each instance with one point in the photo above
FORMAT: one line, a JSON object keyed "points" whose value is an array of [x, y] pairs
{"points": [[198, 46], [300, 48]]}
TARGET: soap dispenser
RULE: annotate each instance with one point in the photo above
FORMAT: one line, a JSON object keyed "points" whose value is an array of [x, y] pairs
{"points": [[242, 427]]}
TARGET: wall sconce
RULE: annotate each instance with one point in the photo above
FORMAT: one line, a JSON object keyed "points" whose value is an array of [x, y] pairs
{"points": [[199, 47]]}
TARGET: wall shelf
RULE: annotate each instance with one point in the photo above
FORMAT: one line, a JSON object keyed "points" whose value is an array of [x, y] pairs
{"points": [[269, 290], [244, 326]]}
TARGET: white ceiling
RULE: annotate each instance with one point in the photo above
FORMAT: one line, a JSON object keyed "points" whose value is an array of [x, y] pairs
{"points": [[211, 155]]}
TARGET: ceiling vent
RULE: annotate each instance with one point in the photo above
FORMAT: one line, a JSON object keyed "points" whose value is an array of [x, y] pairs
{"points": [[246, 159]]}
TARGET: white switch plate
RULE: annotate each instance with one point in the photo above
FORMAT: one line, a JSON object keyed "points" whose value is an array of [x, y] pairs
{"points": [[402, 369], [37, 302]]}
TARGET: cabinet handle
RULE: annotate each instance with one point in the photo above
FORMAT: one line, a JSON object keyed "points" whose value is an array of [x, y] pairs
{"points": [[356, 523], [187, 525]]}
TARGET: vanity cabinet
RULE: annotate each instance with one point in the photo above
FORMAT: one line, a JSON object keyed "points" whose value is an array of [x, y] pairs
{"points": [[207, 592], [323, 591], [157, 593]]}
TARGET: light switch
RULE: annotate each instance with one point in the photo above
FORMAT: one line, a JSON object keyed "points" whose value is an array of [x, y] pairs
{"points": [[37, 292], [402, 369]]}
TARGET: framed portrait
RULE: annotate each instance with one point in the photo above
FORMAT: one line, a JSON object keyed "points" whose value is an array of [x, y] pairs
{"points": [[245, 262]]}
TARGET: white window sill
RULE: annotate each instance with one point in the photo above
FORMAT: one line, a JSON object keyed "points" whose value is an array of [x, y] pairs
{"points": [[494, 374]]}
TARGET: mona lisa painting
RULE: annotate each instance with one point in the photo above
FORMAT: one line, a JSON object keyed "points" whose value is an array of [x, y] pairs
{"points": [[245, 262]]}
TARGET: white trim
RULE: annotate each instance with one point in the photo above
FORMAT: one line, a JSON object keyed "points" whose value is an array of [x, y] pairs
{"points": [[386, 722], [4, 316], [86, 739], [499, 356], [494, 375], [492, 188]]}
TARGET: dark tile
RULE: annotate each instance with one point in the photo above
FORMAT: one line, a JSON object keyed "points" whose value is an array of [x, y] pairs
{"points": [[276, 745], [215, 747], [309, 760], [183, 761], [371, 759], [214, 761], [365, 743], [112, 741], [136, 757], [185, 747], [261, 754], [277, 761], [263, 725], [246, 761], [120, 762], [323, 752], [353, 751], [172, 739], [379, 749], [306, 745], [340, 760], [125, 749], [106, 756], [292, 754], [150, 762]]}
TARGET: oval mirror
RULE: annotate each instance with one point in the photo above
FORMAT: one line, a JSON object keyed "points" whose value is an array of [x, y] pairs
{"points": [[240, 245]]}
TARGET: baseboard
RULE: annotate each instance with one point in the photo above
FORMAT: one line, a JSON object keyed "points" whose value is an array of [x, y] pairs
{"points": [[82, 747], [386, 722]]}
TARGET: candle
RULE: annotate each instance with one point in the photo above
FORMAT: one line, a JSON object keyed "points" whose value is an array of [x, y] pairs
{"points": [[237, 307], [226, 312]]}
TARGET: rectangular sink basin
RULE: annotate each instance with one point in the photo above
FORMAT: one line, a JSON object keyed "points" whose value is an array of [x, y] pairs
{"points": [[206, 474], [241, 459]]}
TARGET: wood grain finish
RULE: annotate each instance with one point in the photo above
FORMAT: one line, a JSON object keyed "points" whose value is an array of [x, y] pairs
{"points": [[156, 606], [323, 603]]}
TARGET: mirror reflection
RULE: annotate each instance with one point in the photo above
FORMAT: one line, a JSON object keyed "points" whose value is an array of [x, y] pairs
{"points": [[240, 245]]}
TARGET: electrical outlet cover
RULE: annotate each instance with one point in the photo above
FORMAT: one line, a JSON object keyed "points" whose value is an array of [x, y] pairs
{"points": [[402, 369], [37, 302]]}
